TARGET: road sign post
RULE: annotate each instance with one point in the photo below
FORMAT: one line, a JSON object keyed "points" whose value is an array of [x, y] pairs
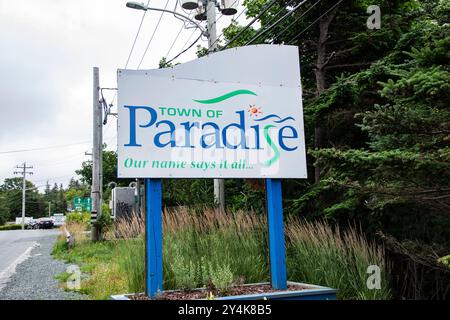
{"points": [[274, 207], [153, 235]]}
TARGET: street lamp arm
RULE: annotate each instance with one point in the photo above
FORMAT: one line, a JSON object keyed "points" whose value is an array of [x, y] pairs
{"points": [[145, 8]]}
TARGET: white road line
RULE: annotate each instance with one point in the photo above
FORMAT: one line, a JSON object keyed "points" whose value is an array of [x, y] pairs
{"points": [[11, 269]]}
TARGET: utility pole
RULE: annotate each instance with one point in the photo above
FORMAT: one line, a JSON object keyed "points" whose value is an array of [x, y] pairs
{"points": [[24, 173], [219, 184], [49, 209], [96, 188]]}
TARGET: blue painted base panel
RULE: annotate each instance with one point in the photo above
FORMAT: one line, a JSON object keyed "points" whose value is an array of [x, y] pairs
{"points": [[312, 293]]}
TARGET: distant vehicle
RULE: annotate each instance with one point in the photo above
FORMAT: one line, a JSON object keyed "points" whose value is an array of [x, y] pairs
{"points": [[45, 223], [59, 219], [33, 224]]}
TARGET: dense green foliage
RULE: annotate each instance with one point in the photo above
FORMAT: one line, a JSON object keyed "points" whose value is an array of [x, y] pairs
{"points": [[37, 203], [405, 166], [83, 218], [377, 118]]}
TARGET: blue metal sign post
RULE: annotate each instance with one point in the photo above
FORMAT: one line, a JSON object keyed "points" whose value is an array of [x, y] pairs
{"points": [[153, 234], [277, 253], [154, 263]]}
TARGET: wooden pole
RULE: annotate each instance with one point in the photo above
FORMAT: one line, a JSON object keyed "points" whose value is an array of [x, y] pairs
{"points": [[96, 189]]}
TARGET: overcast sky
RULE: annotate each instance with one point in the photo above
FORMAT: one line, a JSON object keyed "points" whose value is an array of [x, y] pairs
{"points": [[48, 49]]}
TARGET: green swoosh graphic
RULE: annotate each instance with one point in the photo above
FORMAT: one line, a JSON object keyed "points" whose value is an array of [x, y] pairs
{"points": [[272, 145], [226, 96]]}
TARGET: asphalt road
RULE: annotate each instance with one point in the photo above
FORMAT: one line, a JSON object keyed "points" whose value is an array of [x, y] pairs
{"points": [[27, 269], [15, 247]]}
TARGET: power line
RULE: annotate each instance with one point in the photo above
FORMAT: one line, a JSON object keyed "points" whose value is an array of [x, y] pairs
{"points": [[193, 43], [265, 30], [243, 10], [267, 7], [51, 147], [137, 35], [189, 39], [46, 148], [220, 36], [296, 20], [63, 162], [315, 21], [54, 178], [153, 35], [174, 41], [58, 160]]}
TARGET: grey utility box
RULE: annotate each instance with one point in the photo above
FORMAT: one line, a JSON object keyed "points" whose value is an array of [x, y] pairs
{"points": [[124, 202]]}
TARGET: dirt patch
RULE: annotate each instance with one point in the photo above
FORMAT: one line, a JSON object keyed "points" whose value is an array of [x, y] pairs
{"points": [[204, 293]]}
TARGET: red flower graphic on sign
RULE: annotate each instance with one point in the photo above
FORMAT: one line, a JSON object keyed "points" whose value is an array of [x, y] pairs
{"points": [[254, 111]]}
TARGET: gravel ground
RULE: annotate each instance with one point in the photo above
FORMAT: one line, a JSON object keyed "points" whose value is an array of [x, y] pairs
{"points": [[34, 278]]}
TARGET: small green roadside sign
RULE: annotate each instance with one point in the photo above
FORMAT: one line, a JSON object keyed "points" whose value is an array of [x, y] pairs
{"points": [[82, 204]]}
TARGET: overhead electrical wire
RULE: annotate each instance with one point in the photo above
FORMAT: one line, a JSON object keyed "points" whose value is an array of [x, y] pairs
{"points": [[267, 7], [136, 37], [265, 30], [152, 36], [53, 178], [179, 54], [278, 13], [315, 21], [253, 21], [52, 161], [220, 36], [173, 43], [189, 39], [50, 147], [296, 20], [46, 148]]}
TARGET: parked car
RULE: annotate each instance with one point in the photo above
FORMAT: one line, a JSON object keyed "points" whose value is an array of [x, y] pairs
{"points": [[32, 224], [45, 223]]}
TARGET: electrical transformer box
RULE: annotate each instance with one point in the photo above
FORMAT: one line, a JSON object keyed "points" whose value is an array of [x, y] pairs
{"points": [[124, 202]]}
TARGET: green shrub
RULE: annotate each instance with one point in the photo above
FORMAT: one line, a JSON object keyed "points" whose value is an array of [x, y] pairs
{"points": [[79, 217], [60, 247], [222, 278], [10, 227], [104, 222], [183, 271]]}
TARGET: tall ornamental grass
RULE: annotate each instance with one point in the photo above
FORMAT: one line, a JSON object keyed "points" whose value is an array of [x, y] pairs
{"points": [[204, 243], [319, 254], [233, 247]]}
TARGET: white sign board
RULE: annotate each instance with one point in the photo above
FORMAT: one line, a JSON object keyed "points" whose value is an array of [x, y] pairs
{"points": [[234, 114]]}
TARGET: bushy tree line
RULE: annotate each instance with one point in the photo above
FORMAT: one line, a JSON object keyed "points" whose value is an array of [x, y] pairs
{"points": [[36, 203]]}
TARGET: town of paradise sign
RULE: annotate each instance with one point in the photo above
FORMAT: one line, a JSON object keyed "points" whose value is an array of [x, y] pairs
{"points": [[234, 114]]}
